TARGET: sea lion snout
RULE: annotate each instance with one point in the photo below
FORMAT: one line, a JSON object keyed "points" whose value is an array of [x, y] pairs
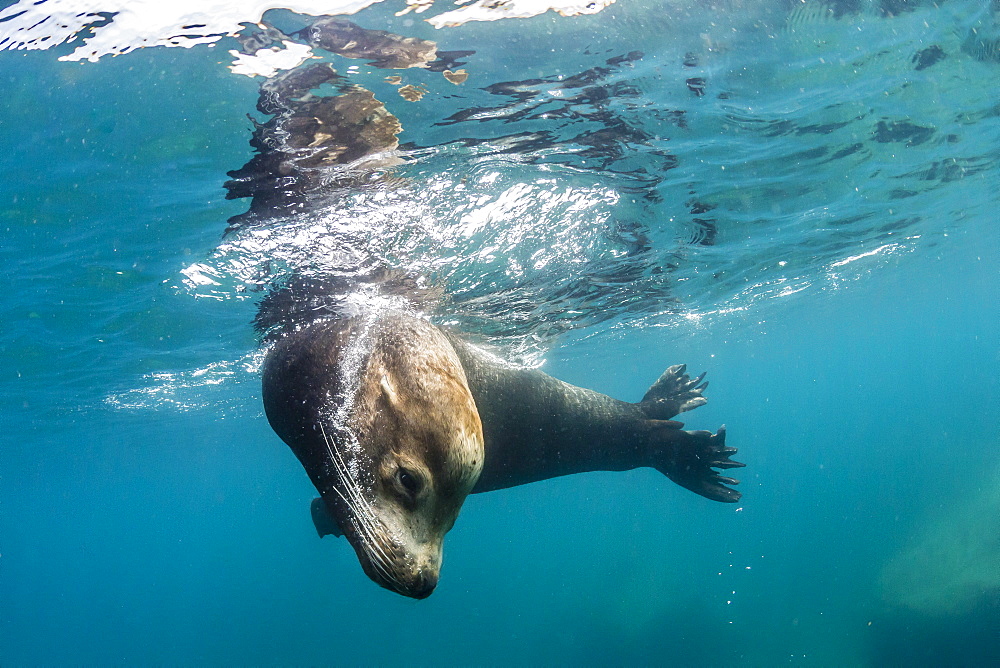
{"points": [[420, 586], [424, 585], [410, 572]]}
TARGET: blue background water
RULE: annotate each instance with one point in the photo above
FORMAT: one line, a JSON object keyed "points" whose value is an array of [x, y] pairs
{"points": [[149, 515]]}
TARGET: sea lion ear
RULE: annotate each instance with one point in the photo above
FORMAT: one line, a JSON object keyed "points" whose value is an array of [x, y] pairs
{"points": [[388, 390], [323, 521]]}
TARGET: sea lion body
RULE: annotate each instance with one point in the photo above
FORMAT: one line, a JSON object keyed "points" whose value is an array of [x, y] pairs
{"points": [[397, 421], [537, 427]]}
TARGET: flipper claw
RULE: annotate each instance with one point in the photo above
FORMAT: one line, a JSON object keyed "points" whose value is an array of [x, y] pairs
{"points": [[725, 480]]}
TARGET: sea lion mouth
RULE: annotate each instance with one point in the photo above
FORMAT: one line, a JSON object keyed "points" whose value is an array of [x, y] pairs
{"points": [[394, 569], [420, 587], [423, 587]]}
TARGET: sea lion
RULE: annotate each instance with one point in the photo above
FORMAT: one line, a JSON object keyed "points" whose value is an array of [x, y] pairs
{"points": [[396, 421]]}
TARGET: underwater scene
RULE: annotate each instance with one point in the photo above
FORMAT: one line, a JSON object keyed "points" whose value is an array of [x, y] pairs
{"points": [[291, 284]]}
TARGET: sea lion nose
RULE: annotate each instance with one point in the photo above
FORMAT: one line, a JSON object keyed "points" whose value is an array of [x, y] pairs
{"points": [[424, 584]]}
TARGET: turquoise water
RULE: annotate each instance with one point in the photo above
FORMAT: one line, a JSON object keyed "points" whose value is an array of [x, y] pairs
{"points": [[842, 289]]}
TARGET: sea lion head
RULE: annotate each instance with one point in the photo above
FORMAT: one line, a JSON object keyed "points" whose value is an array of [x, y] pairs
{"points": [[396, 458], [420, 433]]}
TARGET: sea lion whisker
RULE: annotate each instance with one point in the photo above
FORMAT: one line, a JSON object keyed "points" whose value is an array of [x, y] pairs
{"points": [[379, 563], [357, 505], [353, 500], [343, 498], [362, 511], [349, 481], [360, 506], [350, 502], [377, 557], [372, 544], [379, 560]]}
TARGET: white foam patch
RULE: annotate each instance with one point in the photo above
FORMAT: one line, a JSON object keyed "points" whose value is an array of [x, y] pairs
{"points": [[492, 10], [29, 24], [268, 62], [132, 24]]}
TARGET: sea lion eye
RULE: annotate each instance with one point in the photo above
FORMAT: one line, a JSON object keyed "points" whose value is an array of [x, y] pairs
{"points": [[409, 481]]}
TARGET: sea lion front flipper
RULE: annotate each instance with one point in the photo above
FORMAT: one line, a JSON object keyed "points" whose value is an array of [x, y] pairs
{"points": [[674, 392], [322, 520], [690, 457]]}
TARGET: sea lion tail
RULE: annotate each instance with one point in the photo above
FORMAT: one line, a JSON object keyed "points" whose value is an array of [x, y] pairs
{"points": [[674, 392], [691, 457]]}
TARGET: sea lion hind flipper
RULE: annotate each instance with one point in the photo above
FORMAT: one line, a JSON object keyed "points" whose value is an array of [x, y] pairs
{"points": [[322, 520], [674, 392], [691, 457]]}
